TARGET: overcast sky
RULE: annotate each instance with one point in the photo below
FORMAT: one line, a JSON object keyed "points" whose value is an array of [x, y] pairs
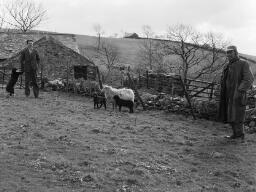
{"points": [[235, 19]]}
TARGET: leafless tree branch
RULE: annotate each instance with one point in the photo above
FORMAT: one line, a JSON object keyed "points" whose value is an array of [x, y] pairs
{"points": [[24, 15], [110, 54], [199, 54], [99, 32]]}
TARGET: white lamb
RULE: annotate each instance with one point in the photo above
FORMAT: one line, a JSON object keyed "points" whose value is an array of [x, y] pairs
{"points": [[123, 93], [55, 84]]}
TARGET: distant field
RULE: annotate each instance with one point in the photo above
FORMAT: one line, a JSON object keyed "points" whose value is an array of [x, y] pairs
{"points": [[250, 56], [129, 49]]}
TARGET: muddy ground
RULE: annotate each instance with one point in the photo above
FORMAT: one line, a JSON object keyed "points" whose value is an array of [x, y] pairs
{"points": [[59, 143]]}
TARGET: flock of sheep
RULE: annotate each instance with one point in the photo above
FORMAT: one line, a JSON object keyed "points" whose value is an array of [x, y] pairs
{"points": [[122, 97]]}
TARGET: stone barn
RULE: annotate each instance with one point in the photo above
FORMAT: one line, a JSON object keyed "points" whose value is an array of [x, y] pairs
{"points": [[56, 61]]}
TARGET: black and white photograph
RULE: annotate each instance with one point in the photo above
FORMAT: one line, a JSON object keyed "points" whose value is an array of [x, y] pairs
{"points": [[127, 96]]}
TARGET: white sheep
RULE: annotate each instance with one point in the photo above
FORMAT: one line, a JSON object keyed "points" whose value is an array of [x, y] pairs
{"points": [[55, 84], [123, 93]]}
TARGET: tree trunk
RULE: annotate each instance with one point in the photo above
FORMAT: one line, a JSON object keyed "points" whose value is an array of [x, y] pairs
{"points": [[99, 77], [99, 42]]}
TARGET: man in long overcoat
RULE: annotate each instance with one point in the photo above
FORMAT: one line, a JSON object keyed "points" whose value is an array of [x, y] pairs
{"points": [[29, 64], [236, 80]]}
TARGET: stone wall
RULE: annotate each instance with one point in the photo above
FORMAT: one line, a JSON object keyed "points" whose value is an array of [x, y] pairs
{"points": [[171, 84], [56, 60]]}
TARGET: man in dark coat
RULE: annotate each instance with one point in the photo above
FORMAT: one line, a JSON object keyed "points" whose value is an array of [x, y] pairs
{"points": [[29, 64], [236, 80]]}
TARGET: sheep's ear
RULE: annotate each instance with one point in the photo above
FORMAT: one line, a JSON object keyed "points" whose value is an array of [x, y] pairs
{"points": [[106, 87]]}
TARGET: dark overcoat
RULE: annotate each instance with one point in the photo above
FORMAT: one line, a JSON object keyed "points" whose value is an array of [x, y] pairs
{"points": [[236, 80], [29, 61]]}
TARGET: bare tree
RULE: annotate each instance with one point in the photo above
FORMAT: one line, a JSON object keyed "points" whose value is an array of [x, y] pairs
{"points": [[24, 15], [147, 31], [215, 58], [151, 54], [99, 31], [198, 54], [110, 54], [159, 58], [2, 15], [147, 45], [1, 22]]}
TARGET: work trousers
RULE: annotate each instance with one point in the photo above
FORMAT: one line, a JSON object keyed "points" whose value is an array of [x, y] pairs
{"points": [[30, 79], [238, 128]]}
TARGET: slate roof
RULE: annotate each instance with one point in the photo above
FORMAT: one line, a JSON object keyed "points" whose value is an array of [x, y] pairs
{"points": [[12, 41]]}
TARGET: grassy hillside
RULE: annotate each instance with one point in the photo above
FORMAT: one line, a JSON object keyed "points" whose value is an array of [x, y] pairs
{"points": [[250, 57], [129, 49]]}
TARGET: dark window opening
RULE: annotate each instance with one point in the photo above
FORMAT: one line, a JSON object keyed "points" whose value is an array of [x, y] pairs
{"points": [[80, 72]]}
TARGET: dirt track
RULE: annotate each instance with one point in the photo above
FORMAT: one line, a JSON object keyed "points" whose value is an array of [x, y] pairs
{"points": [[60, 143]]}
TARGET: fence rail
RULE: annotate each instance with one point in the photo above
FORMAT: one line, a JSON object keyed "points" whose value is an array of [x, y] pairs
{"points": [[171, 84]]}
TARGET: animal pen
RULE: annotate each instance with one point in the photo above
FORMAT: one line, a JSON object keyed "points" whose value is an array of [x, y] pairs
{"points": [[172, 84]]}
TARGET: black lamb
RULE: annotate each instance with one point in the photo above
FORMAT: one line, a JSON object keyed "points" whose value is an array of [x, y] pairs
{"points": [[98, 101], [121, 102]]}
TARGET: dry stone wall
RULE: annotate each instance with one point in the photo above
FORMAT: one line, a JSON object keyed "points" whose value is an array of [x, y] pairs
{"points": [[56, 60]]}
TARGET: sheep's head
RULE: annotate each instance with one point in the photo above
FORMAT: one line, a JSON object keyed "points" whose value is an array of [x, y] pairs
{"points": [[106, 88]]}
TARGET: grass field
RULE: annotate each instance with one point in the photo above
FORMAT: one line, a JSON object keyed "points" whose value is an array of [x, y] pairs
{"points": [[59, 143], [129, 48]]}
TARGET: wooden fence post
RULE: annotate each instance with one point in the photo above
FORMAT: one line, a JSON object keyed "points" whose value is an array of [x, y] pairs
{"points": [[21, 81], [147, 79], [3, 76], [2, 82], [172, 84], [139, 83], [100, 82], [136, 91], [212, 88], [41, 77], [67, 77]]}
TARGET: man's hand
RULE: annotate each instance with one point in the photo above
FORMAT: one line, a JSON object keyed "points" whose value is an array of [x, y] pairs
{"points": [[19, 71]]}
